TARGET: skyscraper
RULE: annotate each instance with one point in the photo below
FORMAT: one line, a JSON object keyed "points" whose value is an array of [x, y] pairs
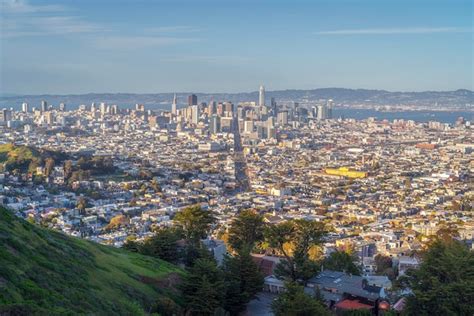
{"points": [[261, 96], [194, 114], [62, 107], [174, 105], [44, 106], [215, 124], [25, 107], [192, 100]]}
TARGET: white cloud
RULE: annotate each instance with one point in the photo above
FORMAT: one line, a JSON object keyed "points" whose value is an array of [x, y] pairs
{"points": [[207, 59], [134, 42], [392, 31], [22, 7]]}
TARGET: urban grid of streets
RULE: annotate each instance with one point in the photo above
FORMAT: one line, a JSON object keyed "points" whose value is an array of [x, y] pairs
{"points": [[385, 187]]}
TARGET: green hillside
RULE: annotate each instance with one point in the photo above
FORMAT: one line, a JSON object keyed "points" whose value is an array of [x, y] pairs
{"points": [[44, 272]]}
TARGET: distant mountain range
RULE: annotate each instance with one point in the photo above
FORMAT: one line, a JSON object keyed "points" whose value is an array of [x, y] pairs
{"points": [[460, 99]]}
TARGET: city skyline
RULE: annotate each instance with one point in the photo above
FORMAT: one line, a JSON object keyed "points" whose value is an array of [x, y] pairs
{"points": [[55, 47]]}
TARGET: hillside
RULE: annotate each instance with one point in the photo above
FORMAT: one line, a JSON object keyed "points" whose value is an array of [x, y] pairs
{"points": [[43, 272]]}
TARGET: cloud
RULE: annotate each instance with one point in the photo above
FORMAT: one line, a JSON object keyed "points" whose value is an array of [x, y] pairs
{"points": [[207, 59], [22, 7], [394, 31], [21, 19], [134, 42], [173, 29]]}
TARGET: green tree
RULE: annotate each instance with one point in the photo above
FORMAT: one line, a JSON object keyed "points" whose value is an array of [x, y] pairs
{"points": [[443, 284], [300, 235], [382, 263], [203, 288], [82, 204], [195, 223], [342, 261], [163, 244], [295, 302], [243, 281], [68, 169], [245, 230], [131, 244], [48, 166]]}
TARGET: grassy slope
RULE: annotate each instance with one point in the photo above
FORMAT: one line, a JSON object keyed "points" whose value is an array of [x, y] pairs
{"points": [[47, 272]]}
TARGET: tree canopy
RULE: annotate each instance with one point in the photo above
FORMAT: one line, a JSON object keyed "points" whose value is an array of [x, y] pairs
{"points": [[444, 282], [245, 230]]}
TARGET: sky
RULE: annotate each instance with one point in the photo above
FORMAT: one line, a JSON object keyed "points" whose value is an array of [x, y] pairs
{"points": [[138, 46]]}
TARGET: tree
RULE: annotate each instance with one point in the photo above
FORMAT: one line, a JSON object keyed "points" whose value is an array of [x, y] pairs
{"points": [[68, 169], [203, 288], [131, 244], [245, 230], [342, 261], [163, 244], [82, 204], [382, 263], [295, 302], [294, 239], [443, 284], [195, 223], [243, 281], [48, 166]]}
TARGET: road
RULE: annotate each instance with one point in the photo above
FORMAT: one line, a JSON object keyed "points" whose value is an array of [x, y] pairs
{"points": [[240, 164]]}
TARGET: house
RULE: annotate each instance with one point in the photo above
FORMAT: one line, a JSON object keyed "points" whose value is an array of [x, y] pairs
{"points": [[405, 263], [342, 291]]}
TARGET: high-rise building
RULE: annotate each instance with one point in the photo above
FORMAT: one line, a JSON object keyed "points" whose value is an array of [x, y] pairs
{"points": [[194, 114], [283, 118], [322, 113], [261, 96], [273, 105], [103, 108], [212, 107], [25, 107], [174, 105], [62, 107], [5, 115], [44, 106], [330, 105], [192, 100], [215, 124]]}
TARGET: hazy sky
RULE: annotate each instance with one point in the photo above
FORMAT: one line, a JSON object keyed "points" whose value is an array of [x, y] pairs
{"points": [[228, 46]]}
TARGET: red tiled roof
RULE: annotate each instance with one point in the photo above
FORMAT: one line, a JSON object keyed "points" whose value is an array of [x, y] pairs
{"points": [[352, 304]]}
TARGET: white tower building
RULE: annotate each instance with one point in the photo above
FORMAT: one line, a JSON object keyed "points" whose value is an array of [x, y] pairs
{"points": [[174, 105], [261, 96]]}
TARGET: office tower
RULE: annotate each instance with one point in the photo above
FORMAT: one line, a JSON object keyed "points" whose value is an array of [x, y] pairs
{"points": [[62, 107], [330, 105], [215, 124], [44, 106], [5, 115], [174, 105], [273, 105], [114, 109], [282, 118], [25, 107], [322, 114], [103, 108], [261, 96], [212, 108], [194, 114], [248, 126], [48, 117], [93, 108], [192, 100]]}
